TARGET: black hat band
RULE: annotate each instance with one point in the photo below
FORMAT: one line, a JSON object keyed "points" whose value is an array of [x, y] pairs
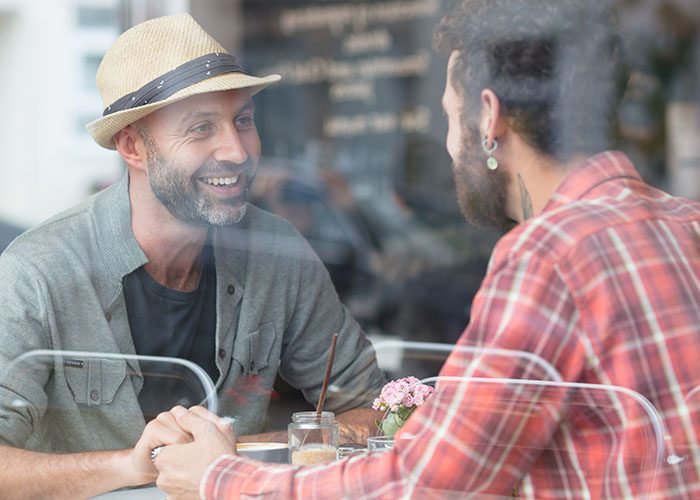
{"points": [[185, 75]]}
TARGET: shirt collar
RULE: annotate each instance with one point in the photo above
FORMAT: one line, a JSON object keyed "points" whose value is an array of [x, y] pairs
{"points": [[117, 243], [591, 173]]}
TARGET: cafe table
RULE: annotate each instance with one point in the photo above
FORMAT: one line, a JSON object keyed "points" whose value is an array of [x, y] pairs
{"points": [[147, 493]]}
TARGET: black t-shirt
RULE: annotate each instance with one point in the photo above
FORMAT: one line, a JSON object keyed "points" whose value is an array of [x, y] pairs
{"points": [[166, 322]]}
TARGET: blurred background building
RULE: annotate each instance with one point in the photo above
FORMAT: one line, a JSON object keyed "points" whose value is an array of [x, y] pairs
{"points": [[49, 51]]}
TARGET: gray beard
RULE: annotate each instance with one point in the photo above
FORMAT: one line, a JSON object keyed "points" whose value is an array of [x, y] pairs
{"points": [[181, 197]]}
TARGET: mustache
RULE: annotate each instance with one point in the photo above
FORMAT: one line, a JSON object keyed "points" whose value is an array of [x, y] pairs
{"points": [[225, 168]]}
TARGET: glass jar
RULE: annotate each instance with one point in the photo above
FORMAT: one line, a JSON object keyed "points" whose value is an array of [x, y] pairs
{"points": [[312, 439]]}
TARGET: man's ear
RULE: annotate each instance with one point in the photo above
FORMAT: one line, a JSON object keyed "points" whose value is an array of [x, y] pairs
{"points": [[492, 124], [131, 147]]}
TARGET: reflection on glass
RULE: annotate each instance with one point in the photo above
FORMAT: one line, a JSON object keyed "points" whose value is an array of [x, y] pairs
{"points": [[379, 443], [350, 451]]}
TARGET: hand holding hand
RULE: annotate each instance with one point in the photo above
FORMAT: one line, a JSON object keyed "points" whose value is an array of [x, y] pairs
{"points": [[161, 431], [181, 466]]}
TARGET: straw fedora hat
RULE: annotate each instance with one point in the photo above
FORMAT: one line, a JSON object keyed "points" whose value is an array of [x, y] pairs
{"points": [[159, 62]]}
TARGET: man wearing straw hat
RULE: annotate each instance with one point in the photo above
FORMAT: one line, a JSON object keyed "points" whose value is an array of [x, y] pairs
{"points": [[171, 261], [599, 276]]}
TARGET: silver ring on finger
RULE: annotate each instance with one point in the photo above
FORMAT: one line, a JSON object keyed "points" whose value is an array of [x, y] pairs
{"points": [[154, 453]]}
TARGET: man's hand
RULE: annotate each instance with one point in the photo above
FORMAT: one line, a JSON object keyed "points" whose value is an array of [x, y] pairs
{"points": [[181, 466], [358, 424], [161, 431]]}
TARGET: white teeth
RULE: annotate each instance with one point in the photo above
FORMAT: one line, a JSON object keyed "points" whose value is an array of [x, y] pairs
{"points": [[221, 181]]}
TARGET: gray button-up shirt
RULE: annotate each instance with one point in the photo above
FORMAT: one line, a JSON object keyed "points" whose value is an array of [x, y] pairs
{"points": [[61, 289]]}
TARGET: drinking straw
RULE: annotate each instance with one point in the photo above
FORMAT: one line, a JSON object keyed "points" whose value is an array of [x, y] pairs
{"points": [[327, 377]]}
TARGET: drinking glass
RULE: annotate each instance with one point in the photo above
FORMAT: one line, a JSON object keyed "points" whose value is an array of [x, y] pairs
{"points": [[349, 451], [379, 443]]}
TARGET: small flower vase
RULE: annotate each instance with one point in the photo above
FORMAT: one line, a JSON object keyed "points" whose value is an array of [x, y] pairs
{"points": [[392, 421], [390, 424], [397, 401]]}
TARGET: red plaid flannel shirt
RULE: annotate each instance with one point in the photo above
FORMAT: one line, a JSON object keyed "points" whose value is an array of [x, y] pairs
{"points": [[604, 284]]}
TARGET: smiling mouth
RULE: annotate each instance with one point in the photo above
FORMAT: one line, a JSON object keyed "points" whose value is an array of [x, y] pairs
{"points": [[221, 181]]}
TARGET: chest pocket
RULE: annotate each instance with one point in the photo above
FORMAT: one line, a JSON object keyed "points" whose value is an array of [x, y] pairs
{"points": [[252, 350], [94, 381]]}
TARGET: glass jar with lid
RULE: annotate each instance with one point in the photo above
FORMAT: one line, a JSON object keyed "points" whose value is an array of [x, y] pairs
{"points": [[312, 439]]}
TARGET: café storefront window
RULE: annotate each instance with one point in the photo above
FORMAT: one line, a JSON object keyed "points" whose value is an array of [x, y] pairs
{"points": [[355, 157], [357, 117], [355, 131]]}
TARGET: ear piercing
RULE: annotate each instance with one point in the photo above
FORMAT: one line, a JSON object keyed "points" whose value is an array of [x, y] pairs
{"points": [[491, 162]]}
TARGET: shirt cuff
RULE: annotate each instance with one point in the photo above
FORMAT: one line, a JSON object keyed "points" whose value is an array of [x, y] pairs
{"points": [[205, 478]]}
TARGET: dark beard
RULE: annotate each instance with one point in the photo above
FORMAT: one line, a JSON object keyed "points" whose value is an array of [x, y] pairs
{"points": [[481, 193], [181, 196]]}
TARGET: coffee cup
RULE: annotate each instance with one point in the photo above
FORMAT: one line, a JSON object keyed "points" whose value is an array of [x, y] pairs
{"points": [[265, 452]]}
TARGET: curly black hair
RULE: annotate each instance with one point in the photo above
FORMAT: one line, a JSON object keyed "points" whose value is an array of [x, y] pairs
{"points": [[555, 65]]}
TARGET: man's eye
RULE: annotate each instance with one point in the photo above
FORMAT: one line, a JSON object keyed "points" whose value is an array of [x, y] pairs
{"points": [[201, 129], [245, 121]]}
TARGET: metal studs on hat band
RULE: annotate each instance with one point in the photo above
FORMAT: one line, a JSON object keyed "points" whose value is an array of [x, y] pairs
{"points": [[180, 78]]}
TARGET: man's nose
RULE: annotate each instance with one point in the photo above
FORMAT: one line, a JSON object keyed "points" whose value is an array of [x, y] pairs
{"points": [[230, 147]]}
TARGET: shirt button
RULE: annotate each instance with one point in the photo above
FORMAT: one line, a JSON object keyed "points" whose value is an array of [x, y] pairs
{"points": [[231, 289], [95, 395], [222, 353], [108, 317]]}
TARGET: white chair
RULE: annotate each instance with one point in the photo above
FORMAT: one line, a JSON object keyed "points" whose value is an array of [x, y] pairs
{"points": [[401, 358], [619, 437], [115, 394], [98, 383], [685, 446], [175, 370]]}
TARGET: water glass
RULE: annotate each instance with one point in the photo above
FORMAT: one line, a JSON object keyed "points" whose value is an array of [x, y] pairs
{"points": [[379, 443], [350, 451]]}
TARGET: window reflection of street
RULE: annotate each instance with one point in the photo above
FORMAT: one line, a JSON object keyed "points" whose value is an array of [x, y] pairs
{"points": [[399, 275]]}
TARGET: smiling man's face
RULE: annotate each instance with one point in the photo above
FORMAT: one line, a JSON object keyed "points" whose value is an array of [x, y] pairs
{"points": [[202, 155]]}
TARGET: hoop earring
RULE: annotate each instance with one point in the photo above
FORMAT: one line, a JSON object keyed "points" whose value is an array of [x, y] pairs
{"points": [[491, 162]]}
